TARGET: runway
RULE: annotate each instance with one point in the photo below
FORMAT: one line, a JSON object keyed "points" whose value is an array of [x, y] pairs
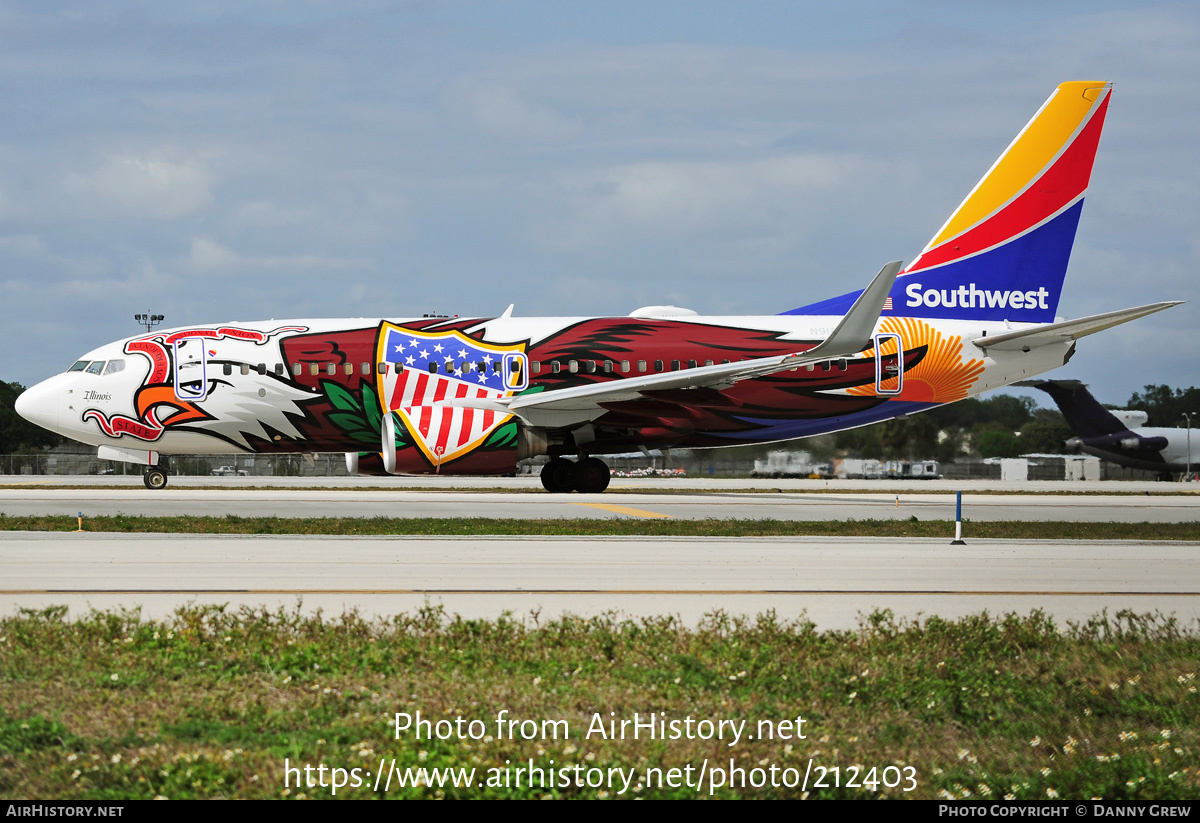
{"points": [[831, 581], [785, 504]]}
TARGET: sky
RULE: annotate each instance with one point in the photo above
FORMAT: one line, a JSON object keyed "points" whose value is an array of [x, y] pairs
{"points": [[244, 161]]}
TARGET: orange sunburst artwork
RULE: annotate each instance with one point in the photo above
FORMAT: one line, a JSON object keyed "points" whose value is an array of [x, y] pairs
{"points": [[942, 375]]}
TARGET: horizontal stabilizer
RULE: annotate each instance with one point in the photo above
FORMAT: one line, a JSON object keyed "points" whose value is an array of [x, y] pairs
{"points": [[1066, 330]]}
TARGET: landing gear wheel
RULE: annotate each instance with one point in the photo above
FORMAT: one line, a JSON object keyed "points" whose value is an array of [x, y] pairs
{"points": [[558, 476], [591, 475], [155, 479]]}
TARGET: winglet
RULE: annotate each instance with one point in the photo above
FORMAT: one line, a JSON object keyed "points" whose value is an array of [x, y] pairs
{"points": [[853, 333]]}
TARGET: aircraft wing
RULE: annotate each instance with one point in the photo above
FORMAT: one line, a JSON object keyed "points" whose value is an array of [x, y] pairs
{"points": [[578, 404], [1066, 330]]}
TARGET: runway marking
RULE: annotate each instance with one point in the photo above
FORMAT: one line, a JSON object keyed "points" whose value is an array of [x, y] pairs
{"points": [[609, 507], [909, 592]]}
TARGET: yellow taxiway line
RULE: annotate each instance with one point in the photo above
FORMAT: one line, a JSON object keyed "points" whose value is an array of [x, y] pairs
{"points": [[608, 507]]}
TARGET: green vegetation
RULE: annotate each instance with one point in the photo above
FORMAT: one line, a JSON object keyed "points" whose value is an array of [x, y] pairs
{"points": [[657, 527], [18, 435], [985, 427], [210, 702], [1165, 406]]}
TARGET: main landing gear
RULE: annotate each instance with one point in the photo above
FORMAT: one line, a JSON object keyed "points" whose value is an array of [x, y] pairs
{"points": [[588, 475], [155, 478]]}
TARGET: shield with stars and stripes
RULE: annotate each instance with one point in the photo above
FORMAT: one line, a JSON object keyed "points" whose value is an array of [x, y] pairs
{"points": [[427, 369]]}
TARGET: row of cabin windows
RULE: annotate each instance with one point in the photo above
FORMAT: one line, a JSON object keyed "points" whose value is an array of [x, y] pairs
{"points": [[555, 367], [610, 366], [643, 366]]}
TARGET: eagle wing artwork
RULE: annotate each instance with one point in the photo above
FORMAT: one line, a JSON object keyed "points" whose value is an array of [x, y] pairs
{"points": [[976, 310]]}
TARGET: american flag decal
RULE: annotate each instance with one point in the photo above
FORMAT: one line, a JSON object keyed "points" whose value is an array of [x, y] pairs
{"points": [[427, 369], [887, 303]]}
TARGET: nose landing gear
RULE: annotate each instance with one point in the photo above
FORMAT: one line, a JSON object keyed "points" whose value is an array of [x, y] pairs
{"points": [[155, 478]]}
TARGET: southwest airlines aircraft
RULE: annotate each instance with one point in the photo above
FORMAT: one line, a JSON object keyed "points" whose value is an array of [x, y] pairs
{"points": [[974, 311]]}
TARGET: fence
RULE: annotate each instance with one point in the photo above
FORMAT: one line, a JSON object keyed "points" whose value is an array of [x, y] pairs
{"points": [[698, 463], [272, 465]]}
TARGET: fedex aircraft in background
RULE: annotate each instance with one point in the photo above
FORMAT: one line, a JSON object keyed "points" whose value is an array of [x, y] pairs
{"points": [[975, 311]]}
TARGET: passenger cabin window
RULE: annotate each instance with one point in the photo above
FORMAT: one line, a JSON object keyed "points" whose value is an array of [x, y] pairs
{"points": [[365, 369], [245, 368], [262, 368], [228, 369], [658, 365], [554, 367], [278, 369], [95, 368], [573, 366], [433, 367], [331, 369], [80, 365], [590, 365], [383, 368], [691, 364], [536, 366], [313, 369], [674, 365], [608, 367], [297, 369], [625, 366], [642, 366], [114, 366]]}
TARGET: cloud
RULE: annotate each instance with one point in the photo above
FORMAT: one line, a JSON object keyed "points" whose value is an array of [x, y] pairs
{"points": [[762, 195], [503, 112], [143, 187], [210, 257]]}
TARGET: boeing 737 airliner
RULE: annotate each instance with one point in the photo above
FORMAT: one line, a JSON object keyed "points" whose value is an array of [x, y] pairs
{"points": [[976, 310]]}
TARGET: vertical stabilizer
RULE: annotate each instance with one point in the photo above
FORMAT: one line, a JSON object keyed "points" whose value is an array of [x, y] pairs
{"points": [[1003, 253], [1083, 413]]}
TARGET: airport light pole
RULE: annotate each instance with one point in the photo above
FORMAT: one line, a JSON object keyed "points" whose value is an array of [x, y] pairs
{"points": [[1188, 417], [148, 320]]}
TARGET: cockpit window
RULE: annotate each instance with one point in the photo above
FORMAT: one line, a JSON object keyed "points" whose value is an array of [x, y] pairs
{"points": [[95, 368], [79, 366], [114, 366]]}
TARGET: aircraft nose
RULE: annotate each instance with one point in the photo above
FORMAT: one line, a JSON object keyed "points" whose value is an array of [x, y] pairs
{"points": [[37, 405]]}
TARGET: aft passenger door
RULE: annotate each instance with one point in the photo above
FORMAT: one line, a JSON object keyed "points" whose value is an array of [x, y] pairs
{"points": [[889, 368]]}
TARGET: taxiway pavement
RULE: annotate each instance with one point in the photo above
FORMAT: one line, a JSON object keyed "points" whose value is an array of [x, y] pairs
{"points": [[918, 501], [831, 581]]}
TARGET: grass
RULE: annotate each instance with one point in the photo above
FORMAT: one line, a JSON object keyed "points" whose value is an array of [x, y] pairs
{"points": [[665, 527], [212, 702]]}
